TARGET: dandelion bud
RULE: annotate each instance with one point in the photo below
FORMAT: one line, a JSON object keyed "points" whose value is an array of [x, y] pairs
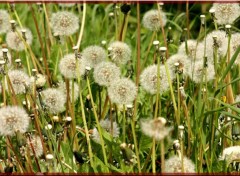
{"points": [[111, 14], [129, 110], [55, 118], [176, 145], [203, 19], [182, 92], [48, 127], [5, 51], [68, 119], [49, 157], [103, 42], [19, 63], [176, 67], [212, 11], [162, 53], [156, 43], [24, 34], [181, 131], [34, 71], [13, 25], [228, 29]]}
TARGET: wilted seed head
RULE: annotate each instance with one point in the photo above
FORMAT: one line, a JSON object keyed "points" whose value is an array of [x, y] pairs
{"points": [[64, 23], [122, 91], [226, 13], [231, 154], [182, 61], [106, 72], [68, 66], [155, 128], [149, 80], [20, 81], [94, 55], [151, 20], [120, 52], [15, 42], [13, 119], [53, 100], [174, 165], [106, 124], [4, 21], [34, 143], [62, 88], [196, 71]]}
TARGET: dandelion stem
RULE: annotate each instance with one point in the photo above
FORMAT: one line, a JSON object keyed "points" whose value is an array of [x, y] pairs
{"points": [[82, 26]]}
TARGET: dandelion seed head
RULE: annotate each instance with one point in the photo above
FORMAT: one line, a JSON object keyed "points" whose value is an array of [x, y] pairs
{"points": [[106, 72], [53, 100], [4, 21], [149, 80], [155, 128], [231, 154], [13, 119], [122, 91], [192, 49], [15, 42], [221, 42], [106, 124], [64, 23], [151, 20], [174, 165], [35, 143], [235, 43], [226, 13], [180, 59], [94, 55], [68, 66], [62, 87], [39, 79], [120, 52], [20, 81], [196, 71]]}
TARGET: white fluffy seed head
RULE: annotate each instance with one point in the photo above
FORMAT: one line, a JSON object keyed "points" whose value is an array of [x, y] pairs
{"points": [[4, 21], [231, 154], [20, 81], [120, 52], [34, 143], [151, 20], [62, 88], [70, 67], [192, 49], [122, 91], [226, 13], [155, 128], [15, 42], [196, 72], [94, 55], [221, 42], [174, 165], [53, 100], [13, 119], [149, 79], [64, 23], [106, 72], [235, 43], [106, 124], [39, 79], [181, 60]]}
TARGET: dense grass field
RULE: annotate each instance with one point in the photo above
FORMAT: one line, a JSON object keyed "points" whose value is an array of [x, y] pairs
{"points": [[119, 88]]}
